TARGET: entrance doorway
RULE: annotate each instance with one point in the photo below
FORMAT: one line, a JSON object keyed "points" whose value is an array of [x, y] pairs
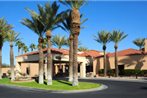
{"points": [[121, 69]]}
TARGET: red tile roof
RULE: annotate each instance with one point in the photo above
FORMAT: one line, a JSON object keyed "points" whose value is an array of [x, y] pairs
{"points": [[91, 53], [126, 52], [53, 50]]}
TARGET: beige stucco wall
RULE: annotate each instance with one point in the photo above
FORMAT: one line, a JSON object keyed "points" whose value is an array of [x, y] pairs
{"points": [[145, 47], [33, 68], [130, 62], [5, 70]]}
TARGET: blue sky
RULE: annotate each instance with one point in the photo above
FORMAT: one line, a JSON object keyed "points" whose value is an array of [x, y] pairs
{"points": [[129, 17]]}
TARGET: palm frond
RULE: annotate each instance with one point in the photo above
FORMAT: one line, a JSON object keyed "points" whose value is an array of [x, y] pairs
{"points": [[59, 41], [73, 3], [81, 48], [102, 37], [139, 42], [117, 36]]}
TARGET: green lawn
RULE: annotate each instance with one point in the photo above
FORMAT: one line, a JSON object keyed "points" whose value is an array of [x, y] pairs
{"points": [[57, 85]]}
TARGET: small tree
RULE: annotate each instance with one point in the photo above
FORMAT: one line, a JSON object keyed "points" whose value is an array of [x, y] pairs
{"points": [[32, 47], [25, 49], [19, 45]]}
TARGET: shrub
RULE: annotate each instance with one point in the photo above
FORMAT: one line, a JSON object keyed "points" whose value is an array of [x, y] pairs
{"points": [[127, 72]]}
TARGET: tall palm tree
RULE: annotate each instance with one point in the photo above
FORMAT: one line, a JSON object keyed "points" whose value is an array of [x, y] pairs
{"points": [[59, 41], [139, 42], [25, 49], [4, 29], [116, 37], [19, 45], [12, 37], [66, 27], [103, 37], [82, 48], [32, 47], [38, 28], [51, 18], [75, 5]]}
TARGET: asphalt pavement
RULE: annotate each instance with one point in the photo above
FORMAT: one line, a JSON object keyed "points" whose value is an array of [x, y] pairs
{"points": [[116, 89]]}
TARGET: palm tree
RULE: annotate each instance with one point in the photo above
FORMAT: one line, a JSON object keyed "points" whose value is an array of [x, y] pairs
{"points": [[75, 5], [82, 48], [38, 28], [66, 27], [19, 45], [51, 19], [44, 45], [22, 45], [32, 47], [4, 29], [12, 37], [25, 49], [103, 37], [139, 42], [59, 41], [116, 37]]}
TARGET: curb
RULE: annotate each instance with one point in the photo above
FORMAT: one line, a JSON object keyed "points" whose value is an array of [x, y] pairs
{"points": [[102, 87], [113, 79]]}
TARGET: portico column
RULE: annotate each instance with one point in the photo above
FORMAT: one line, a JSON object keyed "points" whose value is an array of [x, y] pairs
{"points": [[83, 70], [56, 68], [63, 68]]}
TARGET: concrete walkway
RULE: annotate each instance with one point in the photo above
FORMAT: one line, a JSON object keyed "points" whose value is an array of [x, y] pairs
{"points": [[131, 79]]}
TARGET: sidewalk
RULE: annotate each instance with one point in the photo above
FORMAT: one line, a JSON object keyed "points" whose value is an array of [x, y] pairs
{"points": [[129, 79]]}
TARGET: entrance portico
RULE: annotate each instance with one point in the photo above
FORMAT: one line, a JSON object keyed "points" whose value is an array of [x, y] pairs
{"points": [[59, 65]]}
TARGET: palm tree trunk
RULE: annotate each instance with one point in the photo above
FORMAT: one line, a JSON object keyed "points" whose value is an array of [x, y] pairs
{"points": [[75, 63], [49, 58], [71, 59], [116, 62], [75, 29], [0, 62], [12, 62], [41, 80], [105, 66]]}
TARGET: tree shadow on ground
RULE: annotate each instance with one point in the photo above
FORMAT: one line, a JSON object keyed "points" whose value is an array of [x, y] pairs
{"points": [[144, 87], [64, 82]]}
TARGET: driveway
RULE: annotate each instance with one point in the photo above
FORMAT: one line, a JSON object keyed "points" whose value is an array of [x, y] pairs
{"points": [[116, 89]]}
